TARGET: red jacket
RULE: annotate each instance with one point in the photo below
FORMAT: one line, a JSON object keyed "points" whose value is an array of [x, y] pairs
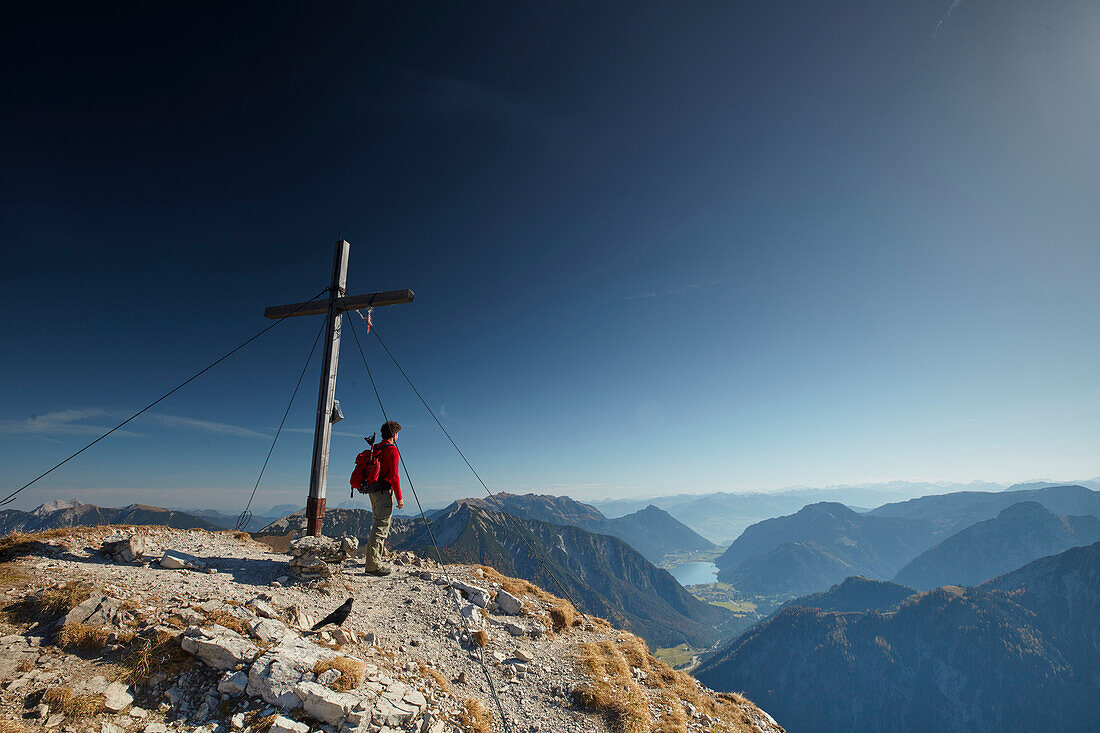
{"points": [[387, 460], [387, 463]]}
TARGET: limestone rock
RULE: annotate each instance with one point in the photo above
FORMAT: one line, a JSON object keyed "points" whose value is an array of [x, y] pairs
{"points": [[268, 630], [300, 619], [320, 557], [275, 674], [219, 647], [472, 615], [116, 697], [124, 548], [179, 561], [325, 704], [97, 610], [286, 725], [329, 676], [233, 683], [262, 608], [477, 596], [508, 603]]}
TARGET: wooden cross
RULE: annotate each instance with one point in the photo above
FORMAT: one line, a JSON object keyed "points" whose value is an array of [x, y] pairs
{"points": [[335, 305]]}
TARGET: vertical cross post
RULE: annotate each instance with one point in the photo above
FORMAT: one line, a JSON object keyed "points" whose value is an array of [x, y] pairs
{"points": [[322, 434]]}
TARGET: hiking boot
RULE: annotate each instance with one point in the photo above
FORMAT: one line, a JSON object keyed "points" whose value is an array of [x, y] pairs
{"points": [[380, 572]]}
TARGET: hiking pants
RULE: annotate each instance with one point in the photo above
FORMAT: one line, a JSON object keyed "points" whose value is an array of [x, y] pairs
{"points": [[381, 506]]}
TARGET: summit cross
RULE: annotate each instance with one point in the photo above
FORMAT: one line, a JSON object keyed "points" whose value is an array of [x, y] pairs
{"points": [[337, 302]]}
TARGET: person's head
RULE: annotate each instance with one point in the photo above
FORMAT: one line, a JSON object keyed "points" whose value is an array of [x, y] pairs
{"points": [[390, 429]]}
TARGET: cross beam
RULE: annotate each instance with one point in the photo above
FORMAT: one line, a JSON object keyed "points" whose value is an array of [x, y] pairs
{"points": [[334, 306]]}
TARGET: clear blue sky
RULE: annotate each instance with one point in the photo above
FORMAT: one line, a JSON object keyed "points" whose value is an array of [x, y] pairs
{"points": [[658, 248]]}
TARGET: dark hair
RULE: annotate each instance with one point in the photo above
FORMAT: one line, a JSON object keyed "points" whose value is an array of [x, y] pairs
{"points": [[390, 429]]}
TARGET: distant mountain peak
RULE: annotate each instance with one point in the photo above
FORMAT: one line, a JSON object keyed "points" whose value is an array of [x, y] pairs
{"points": [[1024, 508], [55, 506]]}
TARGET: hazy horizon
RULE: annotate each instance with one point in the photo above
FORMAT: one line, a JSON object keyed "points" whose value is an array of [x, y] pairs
{"points": [[894, 489]]}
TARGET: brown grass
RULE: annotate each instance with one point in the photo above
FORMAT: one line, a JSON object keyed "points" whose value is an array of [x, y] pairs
{"points": [[516, 586], [480, 637], [611, 689], [563, 615], [82, 636], [351, 672], [258, 723], [435, 675], [11, 575], [475, 717], [13, 726], [73, 706], [18, 544], [224, 617], [156, 651], [49, 603]]}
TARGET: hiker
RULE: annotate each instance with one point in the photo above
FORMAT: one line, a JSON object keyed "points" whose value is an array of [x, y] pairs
{"points": [[384, 459]]}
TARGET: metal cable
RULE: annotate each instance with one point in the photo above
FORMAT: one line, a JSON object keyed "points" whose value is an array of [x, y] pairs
{"points": [[10, 497], [439, 556], [246, 515], [492, 497]]}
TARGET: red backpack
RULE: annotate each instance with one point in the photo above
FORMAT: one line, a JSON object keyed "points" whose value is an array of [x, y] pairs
{"points": [[368, 470]]}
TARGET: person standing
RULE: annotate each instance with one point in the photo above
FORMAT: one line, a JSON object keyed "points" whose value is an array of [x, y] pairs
{"points": [[382, 493]]}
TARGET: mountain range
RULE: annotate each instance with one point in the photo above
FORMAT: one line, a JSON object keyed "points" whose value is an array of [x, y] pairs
{"points": [[722, 516], [602, 573], [60, 513], [952, 512], [653, 532], [1019, 534], [1016, 652], [818, 546], [823, 543], [222, 520]]}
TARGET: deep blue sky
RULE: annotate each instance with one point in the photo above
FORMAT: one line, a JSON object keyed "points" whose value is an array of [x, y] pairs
{"points": [[656, 248]]}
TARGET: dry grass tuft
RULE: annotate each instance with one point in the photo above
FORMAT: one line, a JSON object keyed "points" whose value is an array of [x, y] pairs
{"points": [[435, 675], [351, 672], [11, 575], [611, 689], [258, 723], [156, 651], [563, 615], [82, 636], [18, 544], [475, 717], [224, 617], [49, 603], [480, 637], [516, 586], [655, 700], [13, 726], [73, 706]]}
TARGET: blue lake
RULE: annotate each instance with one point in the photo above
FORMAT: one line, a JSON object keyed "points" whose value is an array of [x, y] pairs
{"points": [[694, 573]]}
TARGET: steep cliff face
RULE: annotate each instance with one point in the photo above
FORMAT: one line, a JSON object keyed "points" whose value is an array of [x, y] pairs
{"points": [[951, 659], [606, 576], [1019, 534]]}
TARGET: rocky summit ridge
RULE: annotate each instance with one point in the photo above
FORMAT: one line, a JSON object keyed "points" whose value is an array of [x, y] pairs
{"points": [[151, 630]]}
